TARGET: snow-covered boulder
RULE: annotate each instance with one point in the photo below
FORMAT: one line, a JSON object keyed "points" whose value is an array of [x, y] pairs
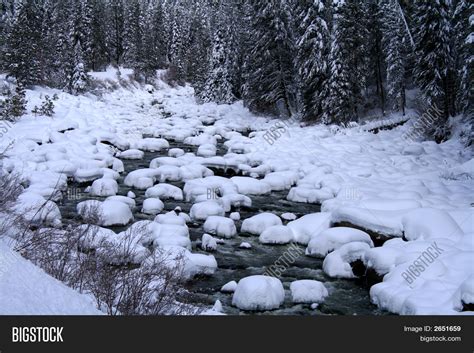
{"points": [[235, 216], [126, 200], [175, 152], [245, 245], [104, 187], [288, 216], [338, 263], [229, 287], [258, 293], [165, 191], [333, 238], [308, 291], [208, 243], [220, 226], [251, 186], [131, 154], [429, 223], [152, 206], [258, 223], [207, 150], [108, 213], [276, 235], [304, 227], [202, 210]]}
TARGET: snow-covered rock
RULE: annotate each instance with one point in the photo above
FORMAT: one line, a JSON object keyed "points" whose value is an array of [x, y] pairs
{"points": [[276, 235], [104, 187], [258, 223], [202, 210], [308, 225], [337, 263], [152, 206], [208, 243], [308, 291], [258, 293], [251, 186], [165, 191], [333, 238], [131, 154], [245, 245], [229, 287], [108, 213], [220, 226]]}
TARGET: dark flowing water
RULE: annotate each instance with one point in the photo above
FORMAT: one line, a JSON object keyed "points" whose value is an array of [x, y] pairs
{"points": [[346, 297]]}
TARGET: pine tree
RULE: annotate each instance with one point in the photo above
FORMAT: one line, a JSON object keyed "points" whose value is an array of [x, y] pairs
{"points": [[23, 47], [434, 65], [347, 64], [179, 40], [394, 40], [79, 79], [133, 37], [464, 43], [115, 30], [270, 78], [199, 47], [218, 87], [312, 55]]}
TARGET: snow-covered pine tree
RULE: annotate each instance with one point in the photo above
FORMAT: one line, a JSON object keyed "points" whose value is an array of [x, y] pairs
{"points": [[433, 71], [154, 45], [394, 43], [270, 78], [199, 45], [347, 67], [312, 55], [218, 87], [23, 47], [464, 43], [115, 11], [79, 79], [133, 37], [179, 40]]}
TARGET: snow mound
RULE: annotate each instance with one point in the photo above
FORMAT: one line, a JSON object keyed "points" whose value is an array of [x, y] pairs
{"points": [[251, 186], [333, 238], [303, 228], [258, 293], [202, 210], [308, 291], [27, 290], [165, 191], [276, 235], [338, 263], [229, 287], [109, 212], [152, 206], [208, 243], [258, 223], [220, 226], [104, 187]]}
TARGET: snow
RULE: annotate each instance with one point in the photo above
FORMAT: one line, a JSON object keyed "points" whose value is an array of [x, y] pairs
{"points": [[333, 238], [251, 186], [220, 226], [152, 206], [276, 235], [202, 210], [308, 291], [229, 287], [165, 191], [208, 243], [257, 224], [235, 216], [420, 191], [303, 228], [288, 216], [109, 212], [258, 293], [27, 290], [131, 154], [130, 202], [104, 187], [245, 245], [427, 223], [337, 263]]}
